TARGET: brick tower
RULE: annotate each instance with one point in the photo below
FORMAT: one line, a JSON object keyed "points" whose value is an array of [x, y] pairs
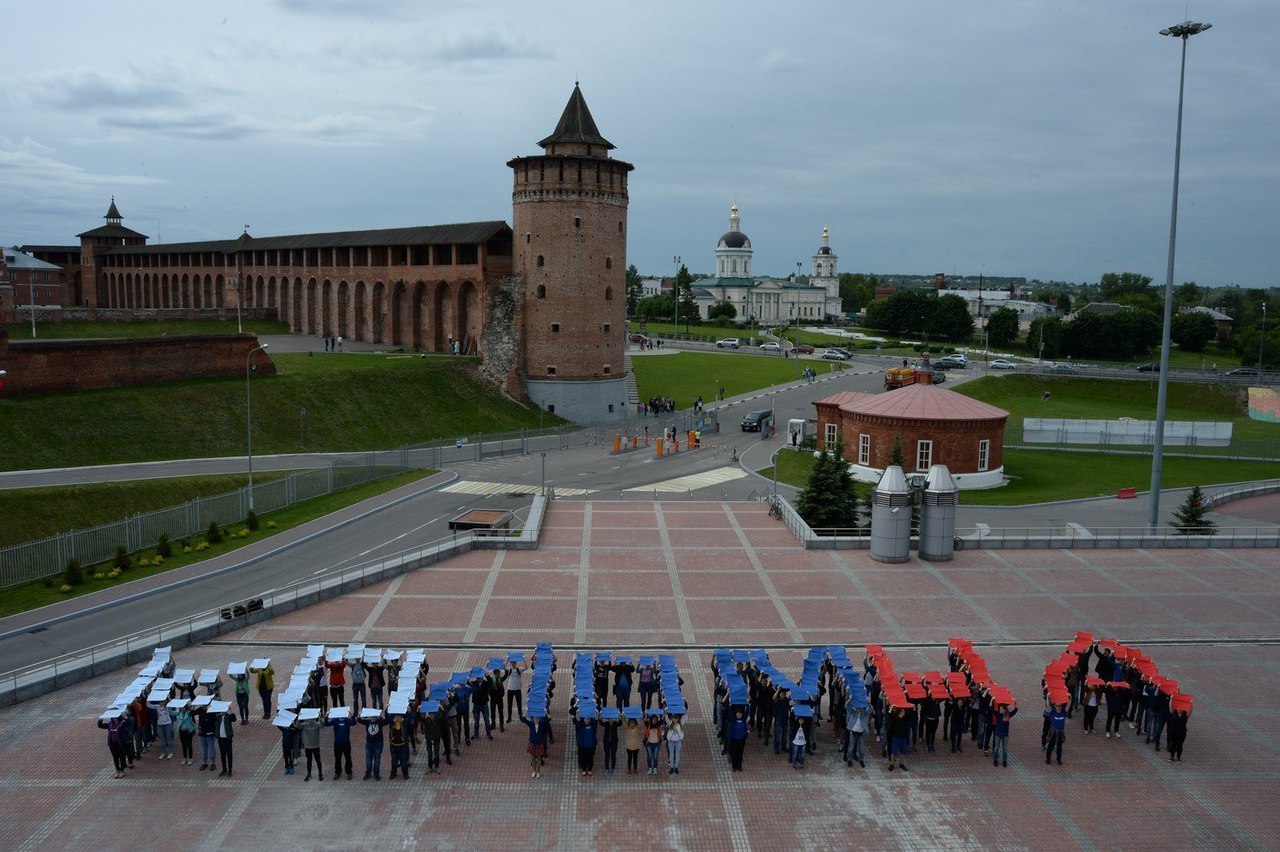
{"points": [[570, 222]]}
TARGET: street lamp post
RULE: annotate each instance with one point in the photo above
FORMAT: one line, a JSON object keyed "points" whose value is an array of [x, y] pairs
{"points": [[31, 287], [1262, 338], [675, 288], [248, 405], [1184, 31], [795, 339]]}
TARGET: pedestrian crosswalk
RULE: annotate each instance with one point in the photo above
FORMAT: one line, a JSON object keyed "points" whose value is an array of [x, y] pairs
{"points": [[467, 486], [694, 481]]}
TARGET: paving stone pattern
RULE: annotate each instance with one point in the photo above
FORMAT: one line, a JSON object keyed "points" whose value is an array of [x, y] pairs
{"points": [[618, 576]]}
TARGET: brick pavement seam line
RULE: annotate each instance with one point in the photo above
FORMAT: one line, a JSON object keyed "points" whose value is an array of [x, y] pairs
{"points": [[584, 578], [673, 574], [724, 783], [781, 606], [66, 809], [248, 790], [1063, 600], [226, 569], [867, 595], [376, 612], [1104, 572], [961, 595], [1235, 596], [486, 595]]}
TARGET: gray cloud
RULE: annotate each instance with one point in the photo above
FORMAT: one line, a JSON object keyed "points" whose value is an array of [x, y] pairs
{"points": [[214, 126], [91, 89]]}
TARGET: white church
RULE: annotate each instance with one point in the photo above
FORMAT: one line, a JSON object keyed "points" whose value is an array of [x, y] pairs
{"points": [[768, 300]]}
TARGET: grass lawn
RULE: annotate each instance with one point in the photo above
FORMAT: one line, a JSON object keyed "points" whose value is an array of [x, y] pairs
{"points": [[149, 328], [32, 595], [1037, 476], [1074, 397], [351, 402], [33, 513], [683, 377]]}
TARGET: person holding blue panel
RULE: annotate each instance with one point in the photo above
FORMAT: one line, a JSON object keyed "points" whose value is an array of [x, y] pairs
{"points": [[538, 733]]}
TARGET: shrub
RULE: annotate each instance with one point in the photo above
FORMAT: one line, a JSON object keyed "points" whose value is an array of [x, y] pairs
{"points": [[163, 547], [122, 558], [244, 533], [72, 575], [158, 560], [48, 582], [186, 548], [65, 588], [98, 575], [213, 535], [251, 520], [271, 525], [113, 573]]}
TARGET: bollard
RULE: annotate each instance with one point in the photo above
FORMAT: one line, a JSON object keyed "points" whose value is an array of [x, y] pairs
{"points": [[689, 440], [634, 442], [617, 443], [659, 444], [675, 445]]}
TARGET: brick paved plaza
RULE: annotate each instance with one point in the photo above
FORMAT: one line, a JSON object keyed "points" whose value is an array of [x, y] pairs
{"points": [[681, 575]]}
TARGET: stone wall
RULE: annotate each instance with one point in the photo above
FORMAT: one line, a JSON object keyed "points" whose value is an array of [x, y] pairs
{"points": [[53, 366], [500, 339]]}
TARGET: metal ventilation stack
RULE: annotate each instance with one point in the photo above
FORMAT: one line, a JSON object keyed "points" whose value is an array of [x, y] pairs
{"points": [[891, 517], [938, 504]]}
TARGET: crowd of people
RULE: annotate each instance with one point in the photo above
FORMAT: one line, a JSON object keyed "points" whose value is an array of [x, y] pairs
{"points": [[657, 405], [633, 703]]}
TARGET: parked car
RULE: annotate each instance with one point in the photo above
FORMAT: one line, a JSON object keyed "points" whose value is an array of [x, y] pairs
{"points": [[1069, 369], [939, 378], [958, 356], [1151, 367], [638, 338], [757, 421], [729, 343], [951, 362], [835, 353], [804, 349], [770, 347], [1003, 364]]}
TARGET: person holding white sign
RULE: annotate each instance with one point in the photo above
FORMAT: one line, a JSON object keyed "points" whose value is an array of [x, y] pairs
{"points": [[372, 721], [309, 720], [265, 682]]}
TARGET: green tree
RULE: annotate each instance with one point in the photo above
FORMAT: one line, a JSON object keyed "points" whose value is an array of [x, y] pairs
{"points": [[856, 291], [895, 452], [1192, 330], [722, 309], [1049, 330], [1130, 334], [1115, 286], [1188, 294], [656, 307], [73, 575], [1191, 518], [684, 289], [830, 497], [1064, 302], [948, 317], [634, 289], [1002, 326]]}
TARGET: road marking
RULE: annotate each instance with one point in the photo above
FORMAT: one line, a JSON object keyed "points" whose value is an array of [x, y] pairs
{"points": [[694, 481], [465, 486]]}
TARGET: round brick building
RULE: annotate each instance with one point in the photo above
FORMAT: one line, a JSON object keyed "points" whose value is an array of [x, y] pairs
{"points": [[933, 424]]}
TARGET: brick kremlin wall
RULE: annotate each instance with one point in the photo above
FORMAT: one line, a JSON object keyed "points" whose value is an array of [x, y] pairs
{"points": [[52, 366]]}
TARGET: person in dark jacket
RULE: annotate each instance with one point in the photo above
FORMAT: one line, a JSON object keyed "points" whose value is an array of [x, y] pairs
{"points": [[373, 747], [1177, 734], [738, 731], [288, 745], [955, 719], [480, 700], [931, 713], [1000, 734], [609, 738], [341, 744], [586, 735], [433, 726], [899, 737], [399, 744], [1115, 696], [538, 731], [1056, 715], [206, 725], [497, 689], [225, 729], [1159, 716], [114, 728]]}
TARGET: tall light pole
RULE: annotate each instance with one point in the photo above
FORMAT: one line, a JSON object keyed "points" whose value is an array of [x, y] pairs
{"points": [[1262, 338], [248, 405], [1184, 31], [31, 282], [675, 288]]}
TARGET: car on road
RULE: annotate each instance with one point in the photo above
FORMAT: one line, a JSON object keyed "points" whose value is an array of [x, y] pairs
{"points": [[939, 378], [1150, 367], [804, 349], [729, 343], [835, 353], [1244, 371], [757, 421], [950, 362], [638, 338], [1069, 369], [1003, 364], [770, 347]]}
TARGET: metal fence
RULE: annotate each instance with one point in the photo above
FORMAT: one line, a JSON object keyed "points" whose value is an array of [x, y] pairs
{"points": [[1017, 436], [35, 560], [34, 680]]}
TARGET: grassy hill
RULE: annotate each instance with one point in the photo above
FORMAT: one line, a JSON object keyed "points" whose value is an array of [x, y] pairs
{"points": [[352, 402]]}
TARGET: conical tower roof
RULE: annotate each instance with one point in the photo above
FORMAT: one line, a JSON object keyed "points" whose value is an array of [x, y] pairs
{"points": [[113, 212], [576, 124]]}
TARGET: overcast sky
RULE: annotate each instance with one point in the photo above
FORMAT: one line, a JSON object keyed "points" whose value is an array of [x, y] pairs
{"points": [[931, 136]]}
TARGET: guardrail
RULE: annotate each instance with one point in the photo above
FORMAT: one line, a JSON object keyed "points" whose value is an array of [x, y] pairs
{"points": [[1070, 536], [1239, 492], [32, 681]]}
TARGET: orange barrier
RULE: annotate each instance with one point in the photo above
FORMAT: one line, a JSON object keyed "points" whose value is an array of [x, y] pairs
{"points": [[659, 444], [1127, 493], [617, 443]]}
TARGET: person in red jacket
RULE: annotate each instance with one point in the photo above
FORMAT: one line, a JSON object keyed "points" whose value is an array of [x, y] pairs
{"points": [[337, 680]]}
